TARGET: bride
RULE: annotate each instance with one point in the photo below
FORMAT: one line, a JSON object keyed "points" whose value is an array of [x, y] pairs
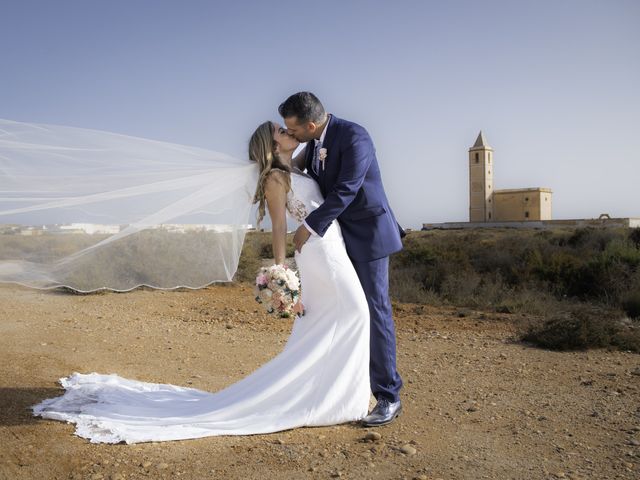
{"points": [[320, 378]]}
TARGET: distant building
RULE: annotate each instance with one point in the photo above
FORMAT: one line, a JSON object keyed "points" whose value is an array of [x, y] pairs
{"points": [[489, 205], [89, 228], [194, 227], [31, 231], [94, 228]]}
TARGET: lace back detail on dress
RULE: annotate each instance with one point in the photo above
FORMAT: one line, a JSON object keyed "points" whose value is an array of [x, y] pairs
{"points": [[304, 195], [296, 207]]}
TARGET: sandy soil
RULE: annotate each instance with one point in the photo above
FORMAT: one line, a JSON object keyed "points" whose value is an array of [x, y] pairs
{"points": [[477, 404]]}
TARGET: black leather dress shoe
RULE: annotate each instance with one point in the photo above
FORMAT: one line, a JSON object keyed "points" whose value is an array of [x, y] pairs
{"points": [[384, 412]]}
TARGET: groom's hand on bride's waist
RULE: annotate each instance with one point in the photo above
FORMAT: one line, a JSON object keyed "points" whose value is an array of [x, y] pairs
{"points": [[300, 237]]}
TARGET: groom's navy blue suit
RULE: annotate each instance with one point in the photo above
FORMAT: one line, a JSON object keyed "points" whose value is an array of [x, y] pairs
{"points": [[351, 184]]}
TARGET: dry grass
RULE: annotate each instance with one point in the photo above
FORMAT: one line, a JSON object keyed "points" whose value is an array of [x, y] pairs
{"points": [[579, 288], [576, 286]]}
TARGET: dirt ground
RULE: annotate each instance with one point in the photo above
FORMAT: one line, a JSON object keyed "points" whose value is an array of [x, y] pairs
{"points": [[477, 404]]}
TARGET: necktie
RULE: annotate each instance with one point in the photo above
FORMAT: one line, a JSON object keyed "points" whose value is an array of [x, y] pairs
{"points": [[316, 158]]}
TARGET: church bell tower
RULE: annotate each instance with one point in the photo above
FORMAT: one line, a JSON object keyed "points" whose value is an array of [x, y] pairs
{"points": [[480, 181]]}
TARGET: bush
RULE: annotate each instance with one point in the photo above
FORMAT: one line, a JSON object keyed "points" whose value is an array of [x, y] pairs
{"points": [[588, 264], [592, 238], [581, 328], [634, 236], [251, 256], [257, 251], [631, 305], [574, 284]]}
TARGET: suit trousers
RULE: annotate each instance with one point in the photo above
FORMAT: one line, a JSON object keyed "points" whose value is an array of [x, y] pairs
{"points": [[384, 377]]}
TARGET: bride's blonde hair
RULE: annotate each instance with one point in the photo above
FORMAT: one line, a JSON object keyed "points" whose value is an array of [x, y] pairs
{"points": [[262, 151]]}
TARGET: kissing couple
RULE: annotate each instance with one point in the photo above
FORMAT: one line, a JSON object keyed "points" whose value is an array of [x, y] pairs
{"points": [[338, 354]]}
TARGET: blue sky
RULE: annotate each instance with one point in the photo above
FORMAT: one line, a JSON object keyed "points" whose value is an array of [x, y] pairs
{"points": [[553, 85]]}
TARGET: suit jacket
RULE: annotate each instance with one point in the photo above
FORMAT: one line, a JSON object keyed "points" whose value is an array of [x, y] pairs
{"points": [[354, 195]]}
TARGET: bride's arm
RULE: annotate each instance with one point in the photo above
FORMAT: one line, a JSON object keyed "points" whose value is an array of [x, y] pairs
{"points": [[276, 196]]}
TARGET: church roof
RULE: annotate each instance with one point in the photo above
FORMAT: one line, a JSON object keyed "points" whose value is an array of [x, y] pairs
{"points": [[481, 142]]}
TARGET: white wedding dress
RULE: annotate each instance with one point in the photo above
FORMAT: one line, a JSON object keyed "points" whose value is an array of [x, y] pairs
{"points": [[320, 378]]}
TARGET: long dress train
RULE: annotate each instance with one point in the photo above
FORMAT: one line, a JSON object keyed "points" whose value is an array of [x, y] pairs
{"points": [[320, 378]]}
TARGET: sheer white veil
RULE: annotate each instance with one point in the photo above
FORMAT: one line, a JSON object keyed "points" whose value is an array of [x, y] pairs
{"points": [[89, 210]]}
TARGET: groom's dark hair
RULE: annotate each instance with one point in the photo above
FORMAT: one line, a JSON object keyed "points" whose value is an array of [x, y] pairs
{"points": [[305, 106]]}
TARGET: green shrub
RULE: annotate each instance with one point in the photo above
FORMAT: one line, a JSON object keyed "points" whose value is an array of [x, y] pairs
{"points": [[631, 305], [634, 236], [587, 264], [581, 328]]}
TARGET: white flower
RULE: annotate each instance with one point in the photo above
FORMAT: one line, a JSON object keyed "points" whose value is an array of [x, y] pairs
{"points": [[322, 155], [293, 282]]}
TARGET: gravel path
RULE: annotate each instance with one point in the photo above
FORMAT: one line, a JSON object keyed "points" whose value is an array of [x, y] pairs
{"points": [[477, 404]]}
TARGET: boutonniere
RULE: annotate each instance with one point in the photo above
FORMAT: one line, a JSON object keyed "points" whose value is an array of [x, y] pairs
{"points": [[322, 155]]}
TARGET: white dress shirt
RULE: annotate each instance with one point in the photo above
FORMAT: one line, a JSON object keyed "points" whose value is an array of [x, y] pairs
{"points": [[315, 144]]}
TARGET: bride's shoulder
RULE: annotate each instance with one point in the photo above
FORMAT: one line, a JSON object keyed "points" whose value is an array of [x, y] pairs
{"points": [[277, 173], [276, 177]]}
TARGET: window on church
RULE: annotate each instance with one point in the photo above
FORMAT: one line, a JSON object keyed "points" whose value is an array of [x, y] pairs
{"points": [[477, 158], [526, 214], [489, 215]]}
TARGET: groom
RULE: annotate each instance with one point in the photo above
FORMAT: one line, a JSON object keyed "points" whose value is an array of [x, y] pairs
{"points": [[340, 156]]}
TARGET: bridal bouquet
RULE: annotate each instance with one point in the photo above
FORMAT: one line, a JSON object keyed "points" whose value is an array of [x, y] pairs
{"points": [[278, 288]]}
